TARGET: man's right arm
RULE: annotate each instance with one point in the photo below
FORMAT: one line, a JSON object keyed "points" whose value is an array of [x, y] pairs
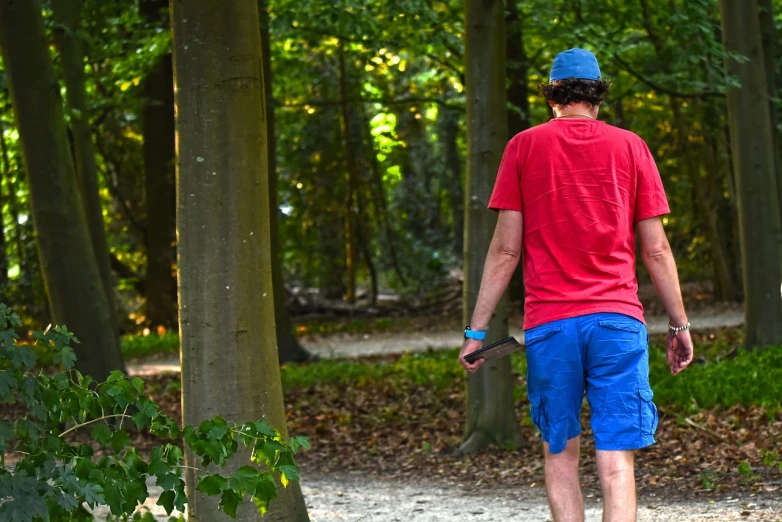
{"points": [[658, 258]]}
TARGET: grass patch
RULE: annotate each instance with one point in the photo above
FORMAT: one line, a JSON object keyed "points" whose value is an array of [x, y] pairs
{"points": [[752, 378], [141, 345]]}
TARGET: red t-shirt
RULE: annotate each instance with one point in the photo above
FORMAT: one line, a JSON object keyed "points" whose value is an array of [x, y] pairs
{"points": [[581, 185]]}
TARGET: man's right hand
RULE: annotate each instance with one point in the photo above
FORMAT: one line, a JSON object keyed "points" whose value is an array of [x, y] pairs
{"points": [[679, 350]]}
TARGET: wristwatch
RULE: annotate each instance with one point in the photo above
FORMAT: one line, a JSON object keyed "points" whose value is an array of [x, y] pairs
{"points": [[478, 335]]}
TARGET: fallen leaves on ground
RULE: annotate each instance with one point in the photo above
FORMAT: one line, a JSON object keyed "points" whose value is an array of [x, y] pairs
{"points": [[396, 430]]}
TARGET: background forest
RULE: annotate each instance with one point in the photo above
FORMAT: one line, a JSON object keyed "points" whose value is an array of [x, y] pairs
{"points": [[369, 124], [183, 184]]}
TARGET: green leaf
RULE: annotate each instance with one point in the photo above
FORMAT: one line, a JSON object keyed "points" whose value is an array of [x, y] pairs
{"points": [[92, 493], [245, 479], [288, 473], [216, 428], [7, 383], [166, 500], [119, 440], [265, 492], [65, 356], [168, 481], [229, 502], [23, 356], [158, 467], [212, 484], [101, 433]]}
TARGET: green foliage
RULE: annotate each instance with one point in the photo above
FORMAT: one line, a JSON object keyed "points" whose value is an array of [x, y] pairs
{"points": [[58, 472], [751, 378], [141, 345]]}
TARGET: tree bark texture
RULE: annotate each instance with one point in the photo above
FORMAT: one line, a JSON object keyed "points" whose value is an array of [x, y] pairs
{"points": [[288, 347], [67, 18], [229, 356], [491, 417], [752, 145], [157, 124], [768, 35], [73, 284]]}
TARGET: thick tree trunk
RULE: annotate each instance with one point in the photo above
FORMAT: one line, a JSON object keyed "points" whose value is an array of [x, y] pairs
{"points": [[67, 18], [753, 151], [229, 356], [491, 417], [288, 347], [70, 270], [768, 35], [157, 124]]}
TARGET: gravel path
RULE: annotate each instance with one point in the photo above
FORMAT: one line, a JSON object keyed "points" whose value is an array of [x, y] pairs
{"points": [[356, 345], [354, 497]]}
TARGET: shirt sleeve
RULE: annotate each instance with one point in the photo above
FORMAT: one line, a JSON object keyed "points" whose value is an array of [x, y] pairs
{"points": [[650, 199], [506, 194]]}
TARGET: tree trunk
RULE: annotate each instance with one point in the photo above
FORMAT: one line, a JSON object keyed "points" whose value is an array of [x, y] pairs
{"points": [[752, 145], [449, 132], [288, 347], [351, 164], [67, 18], [157, 124], [76, 293], [13, 204], [517, 67], [768, 35], [226, 321], [491, 417]]}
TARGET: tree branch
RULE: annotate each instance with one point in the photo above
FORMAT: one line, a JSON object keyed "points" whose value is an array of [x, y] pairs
{"points": [[659, 88]]}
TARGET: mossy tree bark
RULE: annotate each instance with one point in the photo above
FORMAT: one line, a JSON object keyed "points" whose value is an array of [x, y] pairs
{"points": [[752, 146], [73, 284], [229, 356], [491, 417]]}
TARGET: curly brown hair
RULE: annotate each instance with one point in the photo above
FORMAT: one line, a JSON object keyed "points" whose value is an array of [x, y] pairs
{"points": [[576, 90]]}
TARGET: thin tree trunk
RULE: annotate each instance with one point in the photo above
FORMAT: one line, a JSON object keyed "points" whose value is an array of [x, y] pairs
{"points": [[491, 417], [13, 203], [229, 358], [351, 251], [76, 293], [3, 242], [449, 132], [517, 67], [157, 124], [752, 144], [288, 347], [67, 18], [377, 191]]}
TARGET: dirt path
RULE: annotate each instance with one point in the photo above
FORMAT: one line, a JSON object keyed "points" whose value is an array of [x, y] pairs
{"points": [[356, 345], [354, 497]]}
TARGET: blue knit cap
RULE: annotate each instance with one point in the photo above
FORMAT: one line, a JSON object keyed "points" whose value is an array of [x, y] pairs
{"points": [[575, 63]]}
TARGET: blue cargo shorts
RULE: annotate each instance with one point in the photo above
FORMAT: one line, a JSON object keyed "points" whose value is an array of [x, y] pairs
{"points": [[604, 355]]}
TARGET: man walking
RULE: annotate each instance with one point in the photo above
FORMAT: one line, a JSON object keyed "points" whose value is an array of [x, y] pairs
{"points": [[573, 193]]}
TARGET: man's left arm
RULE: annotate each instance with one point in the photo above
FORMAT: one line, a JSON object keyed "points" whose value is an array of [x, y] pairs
{"points": [[501, 261]]}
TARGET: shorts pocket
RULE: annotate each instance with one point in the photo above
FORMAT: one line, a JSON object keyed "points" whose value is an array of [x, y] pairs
{"points": [[619, 324], [648, 413], [538, 415], [534, 335]]}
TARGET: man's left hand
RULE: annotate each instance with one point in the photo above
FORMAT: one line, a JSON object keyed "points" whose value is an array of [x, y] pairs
{"points": [[469, 346]]}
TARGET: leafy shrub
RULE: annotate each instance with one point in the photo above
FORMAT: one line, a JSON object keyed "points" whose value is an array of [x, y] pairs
{"points": [[57, 475]]}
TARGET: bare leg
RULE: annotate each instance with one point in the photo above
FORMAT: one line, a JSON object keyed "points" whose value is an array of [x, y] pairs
{"points": [[617, 479], [562, 486]]}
